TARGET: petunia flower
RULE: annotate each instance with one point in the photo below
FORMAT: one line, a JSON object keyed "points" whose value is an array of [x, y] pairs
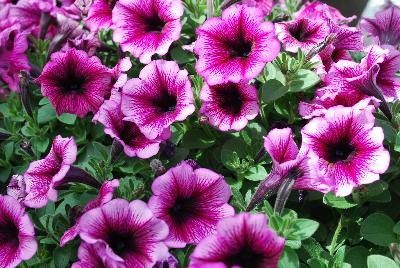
{"points": [[235, 47], [125, 132], [13, 44], [160, 96], [104, 196], [288, 163], [229, 106], [42, 175], [346, 147], [100, 15], [191, 201], [244, 240], [75, 83], [317, 10], [385, 28], [264, 5], [168, 262], [17, 233], [131, 233], [82, 39], [95, 256], [119, 72], [145, 28], [301, 33], [16, 187]]}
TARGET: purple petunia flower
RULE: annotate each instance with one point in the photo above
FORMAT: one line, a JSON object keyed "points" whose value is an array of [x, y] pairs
{"points": [[145, 28], [316, 10], [244, 240], [95, 256], [75, 83], [160, 96], [104, 196], [385, 28], [125, 132], [229, 106], [42, 175], [191, 201], [17, 234], [236, 46], [264, 5], [302, 33], [16, 187], [346, 148], [120, 75], [13, 44], [129, 231], [100, 15], [168, 262]]}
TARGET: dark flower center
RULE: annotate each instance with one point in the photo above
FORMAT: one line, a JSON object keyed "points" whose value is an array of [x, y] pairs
{"points": [[240, 48], [166, 103], [10, 41], [229, 99], [341, 151], [9, 233], [183, 209], [246, 258], [58, 3], [154, 24], [72, 83], [111, 3], [122, 243], [128, 133], [300, 32]]}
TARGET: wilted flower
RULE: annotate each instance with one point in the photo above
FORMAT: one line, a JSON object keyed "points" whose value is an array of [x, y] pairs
{"points": [[13, 44], [264, 5], [236, 46], [42, 175], [229, 106], [316, 10], [125, 132], [145, 28], [288, 162], [160, 96], [75, 83], [16, 187], [301, 33], [17, 234], [100, 15], [105, 195], [191, 201], [346, 148], [132, 235], [244, 240], [385, 28]]}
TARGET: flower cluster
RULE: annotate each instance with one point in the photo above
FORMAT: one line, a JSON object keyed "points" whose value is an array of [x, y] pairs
{"points": [[201, 120]]}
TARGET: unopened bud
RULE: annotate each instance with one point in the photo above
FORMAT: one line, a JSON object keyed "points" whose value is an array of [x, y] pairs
{"points": [[169, 150], [24, 82], [319, 47], [157, 167]]}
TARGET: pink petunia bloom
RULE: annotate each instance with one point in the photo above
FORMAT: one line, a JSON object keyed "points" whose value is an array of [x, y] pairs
{"points": [[346, 147], [288, 162], [13, 44], [316, 10], [244, 240], [125, 132], [264, 5], [42, 175], [82, 39], [75, 83], [95, 256], [131, 233], [17, 233], [145, 28], [119, 73], [16, 187], [385, 28], [229, 106], [235, 47], [105, 195], [191, 201], [167, 262], [160, 96], [100, 15], [302, 33]]}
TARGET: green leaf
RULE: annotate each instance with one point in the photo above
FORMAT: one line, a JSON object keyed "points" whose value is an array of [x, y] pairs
{"points": [[68, 119], [303, 80], [257, 173], [8, 150], [196, 139], [304, 228], [396, 228], [337, 202], [357, 256], [61, 257], [46, 113], [273, 90], [289, 259], [379, 261], [181, 56], [377, 228]]}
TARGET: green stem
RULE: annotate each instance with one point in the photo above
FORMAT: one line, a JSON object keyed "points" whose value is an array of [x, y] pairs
{"points": [[336, 236]]}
